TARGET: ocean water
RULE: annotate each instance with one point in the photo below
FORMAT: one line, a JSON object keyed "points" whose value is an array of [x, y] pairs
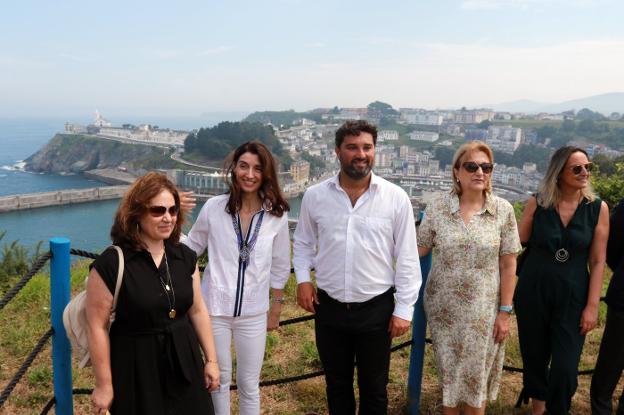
{"points": [[87, 225]]}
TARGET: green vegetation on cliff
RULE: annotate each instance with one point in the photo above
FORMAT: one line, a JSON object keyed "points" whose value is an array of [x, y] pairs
{"points": [[70, 153], [217, 142]]}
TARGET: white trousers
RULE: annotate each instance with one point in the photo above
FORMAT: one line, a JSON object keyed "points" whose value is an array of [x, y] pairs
{"points": [[249, 334]]}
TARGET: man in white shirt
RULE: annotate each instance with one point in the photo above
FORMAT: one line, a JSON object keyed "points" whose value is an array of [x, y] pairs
{"points": [[357, 231]]}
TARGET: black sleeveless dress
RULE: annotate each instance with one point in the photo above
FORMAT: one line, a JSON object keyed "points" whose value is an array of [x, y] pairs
{"points": [[549, 300], [156, 363]]}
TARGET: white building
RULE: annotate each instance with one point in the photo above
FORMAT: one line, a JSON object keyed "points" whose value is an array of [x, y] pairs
{"points": [[387, 135], [71, 128], [146, 134], [424, 136], [472, 116], [416, 116], [504, 138]]}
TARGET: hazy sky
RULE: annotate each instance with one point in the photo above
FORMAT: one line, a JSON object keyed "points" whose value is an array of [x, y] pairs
{"points": [[188, 57]]}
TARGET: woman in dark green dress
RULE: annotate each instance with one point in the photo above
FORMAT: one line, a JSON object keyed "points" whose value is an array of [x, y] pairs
{"points": [[566, 227], [150, 362]]}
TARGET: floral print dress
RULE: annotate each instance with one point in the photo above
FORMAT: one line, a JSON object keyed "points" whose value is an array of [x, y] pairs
{"points": [[462, 294]]}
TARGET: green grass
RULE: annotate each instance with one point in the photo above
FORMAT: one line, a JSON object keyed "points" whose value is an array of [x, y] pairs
{"points": [[290, 351]]}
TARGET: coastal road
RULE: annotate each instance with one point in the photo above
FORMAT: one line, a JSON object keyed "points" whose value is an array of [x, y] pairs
{"points": [[177, 157]]}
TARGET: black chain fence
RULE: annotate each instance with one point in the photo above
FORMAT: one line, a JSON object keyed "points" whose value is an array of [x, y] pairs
{"points": [[40, 263]]}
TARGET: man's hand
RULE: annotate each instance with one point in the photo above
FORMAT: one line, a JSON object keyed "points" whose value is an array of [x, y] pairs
{"points": [[398, 326], [306, 296]]}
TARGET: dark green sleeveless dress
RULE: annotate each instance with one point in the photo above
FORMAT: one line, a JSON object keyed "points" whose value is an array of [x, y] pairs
{"points": [[549, 300]]}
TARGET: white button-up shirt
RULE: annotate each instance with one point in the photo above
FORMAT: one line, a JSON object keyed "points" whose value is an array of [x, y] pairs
{"points": [[227, 288], [359, 251]]}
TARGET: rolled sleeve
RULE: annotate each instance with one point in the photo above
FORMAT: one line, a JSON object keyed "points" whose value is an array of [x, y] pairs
{"points": [[305, 241], [280, 264], [408, 278], [197, 238]]}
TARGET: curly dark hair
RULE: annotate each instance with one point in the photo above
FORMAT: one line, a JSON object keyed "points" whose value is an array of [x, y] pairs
{"points": [[270, 192], [355, 128], [133, 206]]}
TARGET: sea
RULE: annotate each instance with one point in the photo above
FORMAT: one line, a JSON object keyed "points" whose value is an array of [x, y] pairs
{"points": [[86, 225]]}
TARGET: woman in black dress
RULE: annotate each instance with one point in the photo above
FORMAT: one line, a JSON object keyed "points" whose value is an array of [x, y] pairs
{"points": [[558, 293], [150, 361]]}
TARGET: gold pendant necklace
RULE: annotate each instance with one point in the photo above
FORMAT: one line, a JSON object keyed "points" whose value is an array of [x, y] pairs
{"points": [[167, 287]]}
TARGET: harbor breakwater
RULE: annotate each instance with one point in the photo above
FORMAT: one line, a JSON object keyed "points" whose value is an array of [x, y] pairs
{"points": [[61, 197]]}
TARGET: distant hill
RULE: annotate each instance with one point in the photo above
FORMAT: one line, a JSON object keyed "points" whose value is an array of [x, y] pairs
{"points": [[604, 103]]}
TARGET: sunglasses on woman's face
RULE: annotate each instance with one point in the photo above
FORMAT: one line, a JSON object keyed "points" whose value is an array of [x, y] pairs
{"points": [[158, 211], [471, 167], [578, 169]]}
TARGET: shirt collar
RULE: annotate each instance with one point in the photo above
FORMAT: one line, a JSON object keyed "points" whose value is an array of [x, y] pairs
{"points": [[489, 205], [374, 183]]}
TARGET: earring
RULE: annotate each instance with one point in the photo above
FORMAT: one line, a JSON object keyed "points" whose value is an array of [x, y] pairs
{"points": [[138, 229]]}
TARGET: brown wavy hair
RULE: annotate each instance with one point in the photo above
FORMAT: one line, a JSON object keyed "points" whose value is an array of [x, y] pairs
{"points": [[272, 198], [133, 207]]}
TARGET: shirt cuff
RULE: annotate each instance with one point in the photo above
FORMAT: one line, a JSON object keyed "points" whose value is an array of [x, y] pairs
{"points": [[403, 311], [302, 275]]}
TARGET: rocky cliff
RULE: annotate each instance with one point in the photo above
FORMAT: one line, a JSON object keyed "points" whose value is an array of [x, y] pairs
{"points": [[66, 153]]}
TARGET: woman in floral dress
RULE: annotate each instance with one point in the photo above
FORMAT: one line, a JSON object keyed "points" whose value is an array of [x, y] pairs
{"points": [[468, 297]]}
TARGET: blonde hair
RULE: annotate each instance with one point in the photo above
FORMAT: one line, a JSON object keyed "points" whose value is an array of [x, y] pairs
{"points": [[549, 193], [468, 148]]}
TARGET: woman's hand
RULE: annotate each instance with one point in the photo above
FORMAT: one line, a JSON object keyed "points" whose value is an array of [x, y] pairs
{"points": [[589, 319], [211, 375], [501, 326], [187, 202], [102, 399], [274, 316]]}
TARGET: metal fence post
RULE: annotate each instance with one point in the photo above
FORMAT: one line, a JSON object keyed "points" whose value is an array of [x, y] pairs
{"points": [[419, 329], [61, 348]]}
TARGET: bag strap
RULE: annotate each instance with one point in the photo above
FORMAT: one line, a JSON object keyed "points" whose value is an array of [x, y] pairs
{"points": [[120, 272]]}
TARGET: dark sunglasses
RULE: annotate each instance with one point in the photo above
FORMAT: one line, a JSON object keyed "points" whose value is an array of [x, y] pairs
{"points": [[472, 167], [578, 169], [157, 211]]}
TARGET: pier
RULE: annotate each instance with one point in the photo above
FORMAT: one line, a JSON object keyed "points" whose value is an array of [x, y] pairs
{"points": [[60, 197]]}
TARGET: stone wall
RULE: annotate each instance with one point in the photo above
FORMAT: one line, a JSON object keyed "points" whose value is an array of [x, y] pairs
{"points": [[61, 197]]}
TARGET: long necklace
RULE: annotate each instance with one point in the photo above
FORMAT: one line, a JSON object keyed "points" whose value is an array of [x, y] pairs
{"points": [[246, 245], [167, 286], [562, 254]]}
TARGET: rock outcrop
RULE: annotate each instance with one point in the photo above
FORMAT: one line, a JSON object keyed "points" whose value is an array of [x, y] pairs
{"points": [[68, 153]]}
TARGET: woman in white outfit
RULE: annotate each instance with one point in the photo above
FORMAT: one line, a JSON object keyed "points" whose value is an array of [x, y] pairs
{"points": [[246, 234]]}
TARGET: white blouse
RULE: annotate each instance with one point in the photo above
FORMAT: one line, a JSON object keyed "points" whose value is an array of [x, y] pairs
{"points": [[229, 287]]}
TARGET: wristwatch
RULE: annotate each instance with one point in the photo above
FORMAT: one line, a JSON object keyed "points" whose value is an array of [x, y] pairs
{"points": [[506, 309]]}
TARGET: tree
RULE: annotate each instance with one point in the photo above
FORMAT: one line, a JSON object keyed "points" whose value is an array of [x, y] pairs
{"points": [[444, 155], [383, 109], [484, 125], [610, 188], [217, 142], [587, 114]]}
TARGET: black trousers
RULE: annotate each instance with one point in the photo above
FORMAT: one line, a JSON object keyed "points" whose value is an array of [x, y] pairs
{"points": [[609, 366], [359, 331], [548, 313]]}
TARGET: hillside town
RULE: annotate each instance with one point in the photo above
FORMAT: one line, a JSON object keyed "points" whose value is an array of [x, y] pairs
{"points": [[414, 146]]}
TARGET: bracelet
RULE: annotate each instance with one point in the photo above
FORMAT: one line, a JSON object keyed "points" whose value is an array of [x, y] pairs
{"points": [[279, 300], [506, 308], [211, 361]]}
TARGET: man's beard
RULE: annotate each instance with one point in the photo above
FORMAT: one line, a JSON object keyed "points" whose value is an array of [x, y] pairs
{"points": [[356, 173]]}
